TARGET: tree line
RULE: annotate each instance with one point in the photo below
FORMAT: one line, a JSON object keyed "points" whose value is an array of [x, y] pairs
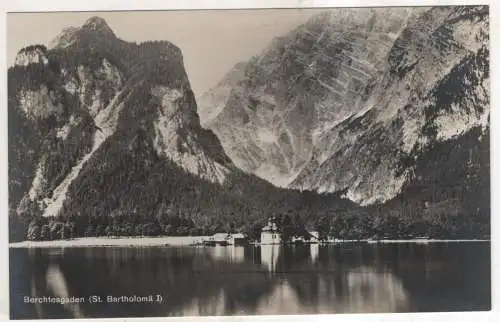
{"points": [[128, 190]]}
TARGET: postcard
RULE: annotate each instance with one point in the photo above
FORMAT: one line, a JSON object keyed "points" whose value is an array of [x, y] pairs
{"points": [[249, 162]]}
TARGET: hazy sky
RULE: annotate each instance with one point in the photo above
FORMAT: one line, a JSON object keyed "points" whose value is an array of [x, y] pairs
{"points": [[212, 41]]}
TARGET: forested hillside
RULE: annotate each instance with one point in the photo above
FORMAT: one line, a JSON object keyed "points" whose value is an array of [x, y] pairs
{"points": [[105, 138]]}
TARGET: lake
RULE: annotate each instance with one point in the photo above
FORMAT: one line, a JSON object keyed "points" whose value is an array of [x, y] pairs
{"points": [[233, 280]]}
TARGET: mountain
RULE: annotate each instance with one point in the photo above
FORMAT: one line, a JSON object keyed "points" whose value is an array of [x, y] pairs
{"points": [[105, 133], [300, 87], [356, 100], [83, 94], [436, 89], [214, 101]]}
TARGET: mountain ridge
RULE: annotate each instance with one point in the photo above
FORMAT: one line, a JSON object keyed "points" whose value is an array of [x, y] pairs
{"points": [[112, 145], [102, 84], [317, 58], [112, 140], [326, 148]]}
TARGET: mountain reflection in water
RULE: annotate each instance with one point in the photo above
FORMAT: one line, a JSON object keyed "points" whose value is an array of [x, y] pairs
{"points": [[271, 279]]}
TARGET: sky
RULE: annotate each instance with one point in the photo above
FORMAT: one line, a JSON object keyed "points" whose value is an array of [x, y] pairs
{"points": [[212, 41]]}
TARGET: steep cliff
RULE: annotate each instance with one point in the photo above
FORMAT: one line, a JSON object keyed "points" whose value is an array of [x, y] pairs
{"points": [[375, 120], [351, 100], [69, 104], [436, 89], [304, 84], [105, 138]]}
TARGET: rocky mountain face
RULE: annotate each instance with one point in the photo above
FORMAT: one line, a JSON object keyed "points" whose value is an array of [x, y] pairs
{"points": [[105, 134], [387, 108], [355, 99], [70, 105], [214, 101], [300, 87]]}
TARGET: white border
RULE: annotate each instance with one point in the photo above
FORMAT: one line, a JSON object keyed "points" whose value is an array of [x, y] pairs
{"points": [[112, 5], [107, 5]]}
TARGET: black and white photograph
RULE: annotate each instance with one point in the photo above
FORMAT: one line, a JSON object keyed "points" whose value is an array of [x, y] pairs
{"points": [[248, 162]]}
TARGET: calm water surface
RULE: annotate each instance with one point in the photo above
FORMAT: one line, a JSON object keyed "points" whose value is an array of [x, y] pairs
{"points": [[307, 279]]}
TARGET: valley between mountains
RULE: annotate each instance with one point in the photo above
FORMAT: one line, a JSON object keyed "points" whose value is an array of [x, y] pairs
{"points": [[360, 123]]}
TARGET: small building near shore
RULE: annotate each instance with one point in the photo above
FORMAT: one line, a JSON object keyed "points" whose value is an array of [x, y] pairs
{"points": [[270, 234], [314, 236], [237, 239], [220, 238]]}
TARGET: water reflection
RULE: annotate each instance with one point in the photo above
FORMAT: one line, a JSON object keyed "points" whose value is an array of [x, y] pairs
{"points": [[233, 254], [270, 279], [269, 256], [57, 285], [314, 252]]}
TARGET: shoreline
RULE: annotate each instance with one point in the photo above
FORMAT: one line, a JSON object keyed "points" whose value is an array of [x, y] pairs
{"points": [[425, 241], [112, 242], [195, 241]]}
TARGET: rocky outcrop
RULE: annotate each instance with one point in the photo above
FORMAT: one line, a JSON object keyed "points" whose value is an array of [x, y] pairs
{"points": [[301, 87], [432, 94], [362, 104], [79, 101], [212, 103], [31, 55], [343, 102]]}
